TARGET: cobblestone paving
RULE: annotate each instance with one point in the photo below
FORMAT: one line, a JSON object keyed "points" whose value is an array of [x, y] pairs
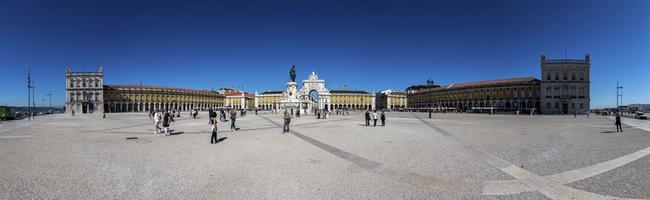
{"points": [[448, 156]]}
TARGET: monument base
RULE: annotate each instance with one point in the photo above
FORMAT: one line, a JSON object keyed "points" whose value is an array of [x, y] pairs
{"points": [[291, 101]]}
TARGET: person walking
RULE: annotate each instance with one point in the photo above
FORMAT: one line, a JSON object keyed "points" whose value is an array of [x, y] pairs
{"points": [[213, 127], [287, 120], [167, 118], [319, 111], [156, 122], [383, 118], [619, 127], [233, 117], [374, 118], [430, 111], [367, 118]]}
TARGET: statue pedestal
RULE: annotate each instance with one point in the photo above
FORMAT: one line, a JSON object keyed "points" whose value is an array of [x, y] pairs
{"points": [[291, 101]]}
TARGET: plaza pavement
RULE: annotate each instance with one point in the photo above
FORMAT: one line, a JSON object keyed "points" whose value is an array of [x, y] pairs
{"points": [[451, 156]]}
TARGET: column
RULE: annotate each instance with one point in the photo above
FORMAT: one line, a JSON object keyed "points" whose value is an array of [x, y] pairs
{"points": [[388, 105], [329, 104], [243, 102]]}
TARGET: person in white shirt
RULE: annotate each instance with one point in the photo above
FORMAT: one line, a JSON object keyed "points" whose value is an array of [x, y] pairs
{"points": [[374, 117], [156, 122]]}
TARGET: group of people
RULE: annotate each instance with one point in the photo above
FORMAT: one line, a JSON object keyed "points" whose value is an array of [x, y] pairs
{"points": [[374, 118], [212, 121], [321, 113], [165, 117]]}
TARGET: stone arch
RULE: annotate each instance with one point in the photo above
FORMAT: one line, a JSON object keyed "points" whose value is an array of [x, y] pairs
{"points": [[313, 83]]}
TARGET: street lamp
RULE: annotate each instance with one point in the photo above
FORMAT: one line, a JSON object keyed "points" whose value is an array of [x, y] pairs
{"points": [[619, 94], [49, 95]]}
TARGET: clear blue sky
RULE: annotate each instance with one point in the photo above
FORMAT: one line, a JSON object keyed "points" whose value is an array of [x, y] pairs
{"points": [[370, 45]]}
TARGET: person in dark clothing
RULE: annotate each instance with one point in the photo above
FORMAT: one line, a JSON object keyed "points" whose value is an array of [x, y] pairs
{"points": [[233, 117], [383, 118], [430, 111], [167, 118], [213, 127], [619, 127], [319, 114], [367, 118], [287, 120]]}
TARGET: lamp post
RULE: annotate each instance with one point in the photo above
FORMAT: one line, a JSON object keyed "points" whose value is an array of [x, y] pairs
{"points": [[49, 95], [29, 94], [619, 94]]}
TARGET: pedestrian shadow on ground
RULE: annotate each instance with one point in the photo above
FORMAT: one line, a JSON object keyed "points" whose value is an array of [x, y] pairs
{"points": [[221, 139], [175, 133], [608, 132]]}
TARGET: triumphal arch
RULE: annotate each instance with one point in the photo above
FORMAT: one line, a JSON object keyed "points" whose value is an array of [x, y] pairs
{"points": [[314, 95]]}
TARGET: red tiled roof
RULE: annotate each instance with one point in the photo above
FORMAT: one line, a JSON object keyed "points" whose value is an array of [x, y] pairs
{"points": [[149, 87], [479, 84], [237, 93]]}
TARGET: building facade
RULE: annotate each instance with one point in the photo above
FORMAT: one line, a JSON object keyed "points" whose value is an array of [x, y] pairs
{"points": [[391, 100], [352, 99], [565, 85], [268, 100], [87, 94], [84, 91], [508, 95], [239, 100], [138, 98], [640, 107]]}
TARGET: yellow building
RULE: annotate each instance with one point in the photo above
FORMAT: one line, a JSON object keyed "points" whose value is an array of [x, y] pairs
{"points": [[236, 99], [136, 98], [268, 100], [516, 94], [352, 99]]}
